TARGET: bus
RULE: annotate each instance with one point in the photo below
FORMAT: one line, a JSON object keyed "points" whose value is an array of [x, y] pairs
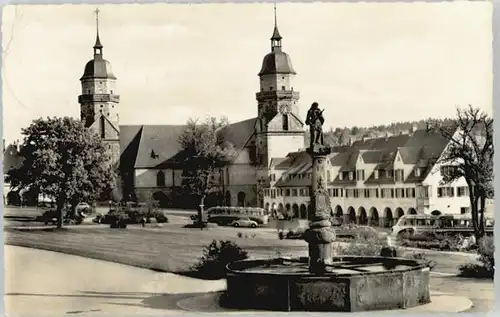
{"points": [[409, 225], [226, 215]]}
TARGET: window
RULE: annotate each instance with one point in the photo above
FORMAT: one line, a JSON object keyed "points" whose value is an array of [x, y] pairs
{"points": [[360, 175], [294, 192], [160, 179], [376, 192], [462, 191], [287, 192], [271, 88], [367, 193], [392, 192], [447, 171], [382, 193], [375, 174], [446, 191], [464, 210], [417, 172], [285, 122], [356, 193], [282, 87], [330, 192], [102, 123], [351, 176], [341, 176], [399, 175]]}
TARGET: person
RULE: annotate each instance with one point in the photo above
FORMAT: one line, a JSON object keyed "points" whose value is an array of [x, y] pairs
{"points": [[315, 120]]}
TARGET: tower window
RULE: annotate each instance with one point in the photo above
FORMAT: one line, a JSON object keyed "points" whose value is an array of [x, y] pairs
{"points": [[261, 89], [103, 132], [111, 91], [282, 77], [271, 88], [285, 122], [282, 87]]}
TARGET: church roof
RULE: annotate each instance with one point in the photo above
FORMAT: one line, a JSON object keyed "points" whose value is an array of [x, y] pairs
{"points": [[157, 146]]}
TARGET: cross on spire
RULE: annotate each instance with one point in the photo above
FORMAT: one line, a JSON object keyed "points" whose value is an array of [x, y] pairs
{"points": [[97, 45]]}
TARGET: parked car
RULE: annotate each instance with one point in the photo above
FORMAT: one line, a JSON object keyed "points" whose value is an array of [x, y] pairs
{"points": [[83, 207], [244, 222]]}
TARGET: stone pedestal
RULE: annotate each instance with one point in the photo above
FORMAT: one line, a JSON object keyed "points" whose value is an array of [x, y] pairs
{"points": [[320, 234]]}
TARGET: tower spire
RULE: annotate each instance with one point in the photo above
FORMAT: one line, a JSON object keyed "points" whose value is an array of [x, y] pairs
{"points": [[97, 45], [276, 38]]}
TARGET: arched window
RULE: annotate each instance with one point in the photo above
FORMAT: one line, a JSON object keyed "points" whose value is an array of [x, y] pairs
{"points": [[160, 179], [285, 122], [102, 123]]}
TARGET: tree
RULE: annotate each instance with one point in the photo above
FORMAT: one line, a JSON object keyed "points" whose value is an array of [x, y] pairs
{"points": [[65, 161], [204, 153], [470, 152]]}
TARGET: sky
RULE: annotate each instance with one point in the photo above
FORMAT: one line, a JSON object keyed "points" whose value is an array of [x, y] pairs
{"points": [[365, 63]]}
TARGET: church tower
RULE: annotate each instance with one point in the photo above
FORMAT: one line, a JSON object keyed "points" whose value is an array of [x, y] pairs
{"points": [[279, 128], [99, 100]]}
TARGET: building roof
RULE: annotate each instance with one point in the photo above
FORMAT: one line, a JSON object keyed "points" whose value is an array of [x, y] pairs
{"points": [[11, 158], [98, 68], [422, 148], [157, 146], [277, 62]]}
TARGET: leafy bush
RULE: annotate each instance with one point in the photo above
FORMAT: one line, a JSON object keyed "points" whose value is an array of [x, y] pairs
{"points": [[215, 257], [486, 266]]}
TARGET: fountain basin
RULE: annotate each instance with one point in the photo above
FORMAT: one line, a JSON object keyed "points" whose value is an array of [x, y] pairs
{"points": [[355, 283]]}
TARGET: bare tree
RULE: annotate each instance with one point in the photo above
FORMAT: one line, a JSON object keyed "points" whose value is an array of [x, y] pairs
{"points": [[470, 152]]}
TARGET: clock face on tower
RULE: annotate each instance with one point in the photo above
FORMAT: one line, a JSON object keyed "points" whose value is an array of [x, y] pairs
{"points": [[284, 109]]}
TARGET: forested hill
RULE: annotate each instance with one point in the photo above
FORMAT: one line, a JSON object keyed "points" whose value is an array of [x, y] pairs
{"points": [[342, 136]]}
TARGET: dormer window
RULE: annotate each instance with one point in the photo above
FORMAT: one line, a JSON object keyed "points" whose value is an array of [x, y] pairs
{"points": [[417, 172], [351, 176], [375, 174], [340, 176]]}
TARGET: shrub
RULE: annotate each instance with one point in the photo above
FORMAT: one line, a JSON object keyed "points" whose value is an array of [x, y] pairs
{"points": [[486, 266], [216, 256]]}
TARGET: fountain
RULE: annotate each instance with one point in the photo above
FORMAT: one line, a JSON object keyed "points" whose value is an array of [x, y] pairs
{"points": [[324, 282]]}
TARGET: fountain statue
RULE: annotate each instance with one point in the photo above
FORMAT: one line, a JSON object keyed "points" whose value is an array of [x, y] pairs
{"points": [[320, 234]]}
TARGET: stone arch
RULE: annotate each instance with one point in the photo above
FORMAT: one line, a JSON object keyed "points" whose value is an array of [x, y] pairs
{"points": [[363, 219], [399, 213], [295, 211], [436, 213], [266, 207], [352, 215], [227, 198], [339, 213], [280, 208], [241, 199], [374, 217], [388, 218], [412, 211], [160, 179], [303, 211]]}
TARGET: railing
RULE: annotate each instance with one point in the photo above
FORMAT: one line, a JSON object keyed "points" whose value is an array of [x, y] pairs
{"points": [[98, 98], [277, 93]]}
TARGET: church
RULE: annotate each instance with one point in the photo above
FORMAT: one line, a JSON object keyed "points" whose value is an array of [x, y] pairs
{"points": [[148, 155]]}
